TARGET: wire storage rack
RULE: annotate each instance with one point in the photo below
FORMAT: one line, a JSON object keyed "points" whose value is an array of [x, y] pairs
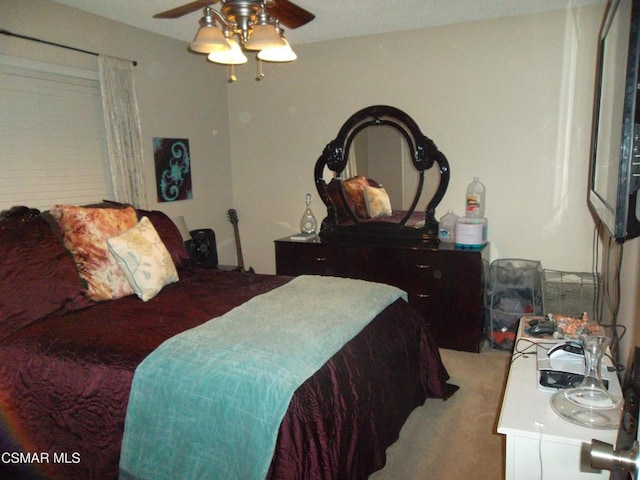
{"points": [[570, 293], [514, 289]]}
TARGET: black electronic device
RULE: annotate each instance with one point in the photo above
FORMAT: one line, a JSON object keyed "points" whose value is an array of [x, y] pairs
{"points": [[558, 368], [541, 327], [566, 350], [202, 248], [615, 156], [556, 379], [552, 379]]}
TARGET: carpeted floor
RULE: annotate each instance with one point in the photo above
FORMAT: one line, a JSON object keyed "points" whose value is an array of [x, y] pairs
{"points": [[455, 439]]}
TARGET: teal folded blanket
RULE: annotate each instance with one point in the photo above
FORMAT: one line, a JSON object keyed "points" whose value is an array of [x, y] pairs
{"points": [[208, 403]]}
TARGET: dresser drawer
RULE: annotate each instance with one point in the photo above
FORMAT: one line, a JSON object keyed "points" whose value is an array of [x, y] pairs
{"points": [[445, 285], [420, 273], [307, 258]]}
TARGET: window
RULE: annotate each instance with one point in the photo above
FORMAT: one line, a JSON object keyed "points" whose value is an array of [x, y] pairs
{"points": [[53, 146]]}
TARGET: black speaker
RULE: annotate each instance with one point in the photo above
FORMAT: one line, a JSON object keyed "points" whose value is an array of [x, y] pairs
{"points": [[202, 248]]}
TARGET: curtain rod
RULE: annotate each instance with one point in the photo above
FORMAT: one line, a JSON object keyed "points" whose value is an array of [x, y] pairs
{"points": [[33, 39]]}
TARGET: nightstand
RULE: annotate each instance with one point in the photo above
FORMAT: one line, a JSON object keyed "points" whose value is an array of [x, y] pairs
{"points": [[540, 444]]}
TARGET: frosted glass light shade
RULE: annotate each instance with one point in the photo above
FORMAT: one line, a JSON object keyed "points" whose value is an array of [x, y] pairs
{"points": [[278, 54], [209, 39], [233, 56], [264, 36]]}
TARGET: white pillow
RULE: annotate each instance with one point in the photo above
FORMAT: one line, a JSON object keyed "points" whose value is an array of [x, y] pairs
{"points": [[377, 201], [144, 260]]}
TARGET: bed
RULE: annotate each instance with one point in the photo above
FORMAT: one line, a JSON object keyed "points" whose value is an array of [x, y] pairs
{"points": [[67, 363]]}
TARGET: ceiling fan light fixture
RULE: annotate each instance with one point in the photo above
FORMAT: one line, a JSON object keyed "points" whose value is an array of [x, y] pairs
{"points": [[278, 54], [209, 39], [233, 56], [226, 34], [264, 36]]}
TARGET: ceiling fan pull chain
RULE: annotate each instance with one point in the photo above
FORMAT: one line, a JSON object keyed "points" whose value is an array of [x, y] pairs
{"points": [[232, 73], [260, 72]]}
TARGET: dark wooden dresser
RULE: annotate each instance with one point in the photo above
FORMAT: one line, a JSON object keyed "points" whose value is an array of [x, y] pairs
{"points": [[445, 284]]}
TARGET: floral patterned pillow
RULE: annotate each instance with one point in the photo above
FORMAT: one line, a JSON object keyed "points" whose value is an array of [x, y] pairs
{"points": [[144, 259], [354, 189], [85, 232]]}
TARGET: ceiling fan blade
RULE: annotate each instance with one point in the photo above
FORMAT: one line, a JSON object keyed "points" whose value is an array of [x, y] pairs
{"points": [[289, 14], [184, 9]]}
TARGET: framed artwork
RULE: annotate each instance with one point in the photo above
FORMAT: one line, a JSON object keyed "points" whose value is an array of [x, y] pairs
{"points": [[173, 169]]}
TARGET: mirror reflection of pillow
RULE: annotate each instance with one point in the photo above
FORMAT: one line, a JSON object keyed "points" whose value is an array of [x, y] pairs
{"points": [[378, 202], [354, 189]]}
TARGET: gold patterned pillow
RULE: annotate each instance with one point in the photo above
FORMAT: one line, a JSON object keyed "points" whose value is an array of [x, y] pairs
{"points": [[144, 259], [354, 190], [377, 200], [84, 233]]}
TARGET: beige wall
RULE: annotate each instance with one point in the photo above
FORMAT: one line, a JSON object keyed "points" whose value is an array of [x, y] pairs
{"points": [[179, 94], [508, 100]]}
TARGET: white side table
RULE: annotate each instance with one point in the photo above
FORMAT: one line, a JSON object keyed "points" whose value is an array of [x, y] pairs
{"points": [[539, 444]]}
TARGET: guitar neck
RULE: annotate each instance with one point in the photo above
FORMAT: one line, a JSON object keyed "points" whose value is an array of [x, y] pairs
{"points": [[236, 233]]}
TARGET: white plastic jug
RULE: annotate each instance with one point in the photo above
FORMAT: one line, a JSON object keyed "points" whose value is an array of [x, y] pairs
{"points": [[447, 227], [474, 204]]}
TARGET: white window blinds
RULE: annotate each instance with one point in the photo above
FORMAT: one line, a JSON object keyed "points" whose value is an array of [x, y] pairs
{"points": [[52, 131]]}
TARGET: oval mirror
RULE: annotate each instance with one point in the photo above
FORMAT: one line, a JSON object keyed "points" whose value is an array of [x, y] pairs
{"points": [[380, 152], [379, 158]]}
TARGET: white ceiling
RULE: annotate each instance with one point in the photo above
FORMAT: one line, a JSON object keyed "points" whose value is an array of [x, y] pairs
{"points": [[334, 18]]}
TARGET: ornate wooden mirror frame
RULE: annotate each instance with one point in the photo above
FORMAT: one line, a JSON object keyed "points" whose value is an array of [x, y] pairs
{"points": [[341, 221]]}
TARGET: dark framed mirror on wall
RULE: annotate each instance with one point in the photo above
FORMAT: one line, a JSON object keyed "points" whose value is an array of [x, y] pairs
{"points": [[381, 179]]}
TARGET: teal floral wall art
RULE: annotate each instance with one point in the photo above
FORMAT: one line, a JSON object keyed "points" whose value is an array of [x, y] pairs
{"points": [[173, 169]]}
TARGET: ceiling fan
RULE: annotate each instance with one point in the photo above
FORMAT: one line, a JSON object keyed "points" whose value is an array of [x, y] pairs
{"points": [[256, 23], [288, 13]]}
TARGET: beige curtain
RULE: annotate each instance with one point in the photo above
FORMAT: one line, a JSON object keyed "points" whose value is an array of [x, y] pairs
{"points": [[122, 121]]}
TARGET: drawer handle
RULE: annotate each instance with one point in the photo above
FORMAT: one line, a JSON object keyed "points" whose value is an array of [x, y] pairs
{"points": [[422, 265], [320, 259], [423, 295]]}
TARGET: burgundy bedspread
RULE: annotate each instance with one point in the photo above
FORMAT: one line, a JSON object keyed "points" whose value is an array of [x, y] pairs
{"points": [[65, 381]]}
